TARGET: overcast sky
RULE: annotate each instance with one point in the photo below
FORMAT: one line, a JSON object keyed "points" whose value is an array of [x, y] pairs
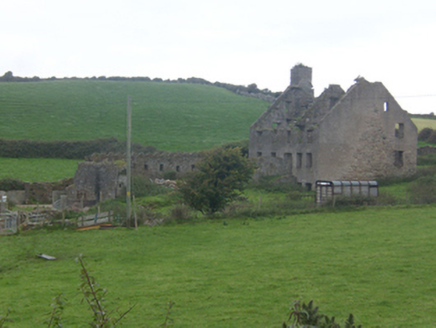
{"points": [[237, 41]]}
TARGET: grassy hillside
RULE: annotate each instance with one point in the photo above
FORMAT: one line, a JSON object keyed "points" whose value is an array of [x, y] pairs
{"points": [[422, 123], [169, 116], [376, 263]]}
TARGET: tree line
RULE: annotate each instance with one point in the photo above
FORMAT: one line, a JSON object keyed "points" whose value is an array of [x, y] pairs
{"points": [[251, 88]]}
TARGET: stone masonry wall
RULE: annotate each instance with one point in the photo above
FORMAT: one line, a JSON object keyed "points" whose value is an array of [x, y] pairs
{"points": [[156, 164]]}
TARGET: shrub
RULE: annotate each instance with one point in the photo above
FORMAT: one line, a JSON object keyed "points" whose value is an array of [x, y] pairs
{"points": [[386, 198], [432, 137], [276, 184], [424, 134], [11, 184], [242, 144], [423, 172], [170, 175], [179, 213], [427, 159], [353, 200], [423, 190], [221, 175], [143, 186], [308, 316], [78, 149]]}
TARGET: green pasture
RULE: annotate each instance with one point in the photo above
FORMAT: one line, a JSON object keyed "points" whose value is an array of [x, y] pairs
{"points": [[422, 123], [377, 263], [37, 169], [169, 116]]}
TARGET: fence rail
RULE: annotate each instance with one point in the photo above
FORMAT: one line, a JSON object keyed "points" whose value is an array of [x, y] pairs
{"points": [[36, 219], [94, 219], [8, 223], [57, 205]]}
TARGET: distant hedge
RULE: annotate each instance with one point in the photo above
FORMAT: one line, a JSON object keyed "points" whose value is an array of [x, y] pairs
{"points": [[65, 149], [251, 89]]}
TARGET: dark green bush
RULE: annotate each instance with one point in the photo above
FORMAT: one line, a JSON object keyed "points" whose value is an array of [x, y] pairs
{"points": [[170, 175], [353, 200], [424, 134], [423, 172], [143, 186], [432, 138], [386, 198], [423, 190], [64, 149], [220, 176], [308, 316], [242, 144], [427, 159], [11, 184], [180, 213], [276, 184]]}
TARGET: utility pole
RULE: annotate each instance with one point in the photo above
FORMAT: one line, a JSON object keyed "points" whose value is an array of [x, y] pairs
{"points": [[129, 164]]}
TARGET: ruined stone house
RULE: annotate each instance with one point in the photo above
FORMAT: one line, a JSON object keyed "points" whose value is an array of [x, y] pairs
{"points": [[103, 176], [361, 134]]}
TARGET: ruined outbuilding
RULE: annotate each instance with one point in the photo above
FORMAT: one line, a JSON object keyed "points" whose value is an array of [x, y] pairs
{"points": [[361, 134], [103, 176], [95, 182]]}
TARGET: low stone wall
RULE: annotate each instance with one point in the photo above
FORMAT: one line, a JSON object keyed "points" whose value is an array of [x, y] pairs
{"points": [[16, 196], [155, 165], [41, 192], [268, 166], [426, 150], [37, 192]]}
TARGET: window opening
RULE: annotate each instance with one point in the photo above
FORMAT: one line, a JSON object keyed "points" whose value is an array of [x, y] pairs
{"points": [[273, 154], [386, 106], [177, 168], [161, 167], [333, 102], [259, 154], [192, 167], [146, 167], [299, 160], [398, 158], [309, 136], [399, 130], [288, 160], [308, 160]]}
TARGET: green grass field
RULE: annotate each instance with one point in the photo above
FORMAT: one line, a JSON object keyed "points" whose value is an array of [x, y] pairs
{"points": [[169, 116], [37, 169], [377, 263], [422, 123]]}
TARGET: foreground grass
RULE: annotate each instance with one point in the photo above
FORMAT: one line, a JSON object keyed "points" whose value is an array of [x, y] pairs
{"points": [[377, 263], [169, 116], [37, 169]]}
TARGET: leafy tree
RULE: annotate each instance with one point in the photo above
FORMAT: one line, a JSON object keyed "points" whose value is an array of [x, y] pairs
{"points": [[252, 88], [220, 176], [7, 77]]}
